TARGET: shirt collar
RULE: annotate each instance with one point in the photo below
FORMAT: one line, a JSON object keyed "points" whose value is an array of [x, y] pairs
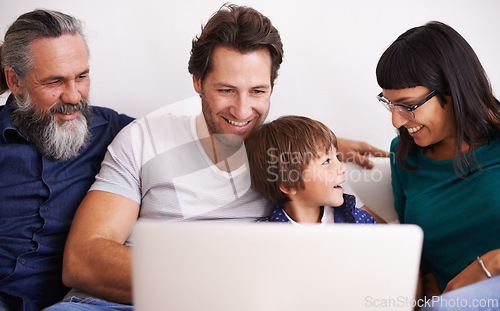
{"points": [[279, 215], [7, 127]]}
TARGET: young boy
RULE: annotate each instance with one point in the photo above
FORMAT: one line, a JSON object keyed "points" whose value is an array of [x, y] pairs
{"points": [[293, 163]]}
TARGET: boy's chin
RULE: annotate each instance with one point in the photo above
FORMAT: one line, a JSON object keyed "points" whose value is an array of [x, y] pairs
{"points": [[338, 202]]}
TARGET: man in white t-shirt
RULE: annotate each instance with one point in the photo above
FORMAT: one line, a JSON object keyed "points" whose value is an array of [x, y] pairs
{"points": [[178, 168]]}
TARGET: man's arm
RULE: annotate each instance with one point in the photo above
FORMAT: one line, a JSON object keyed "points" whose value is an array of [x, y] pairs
{"points": [[358, 152], [95, 259]]}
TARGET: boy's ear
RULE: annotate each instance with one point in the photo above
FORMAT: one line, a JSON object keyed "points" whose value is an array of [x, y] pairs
{"points": [[13, 81], [288, 191]]}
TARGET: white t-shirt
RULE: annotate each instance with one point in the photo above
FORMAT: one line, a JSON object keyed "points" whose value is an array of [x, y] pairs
{"points": [[159, 162]]}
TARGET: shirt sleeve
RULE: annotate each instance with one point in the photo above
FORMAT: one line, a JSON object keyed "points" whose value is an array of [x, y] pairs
{"points": [[363, 217], [120, 170]]}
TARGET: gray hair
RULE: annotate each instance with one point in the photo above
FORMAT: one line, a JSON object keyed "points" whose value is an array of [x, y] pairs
{"points": [[16, 49]]}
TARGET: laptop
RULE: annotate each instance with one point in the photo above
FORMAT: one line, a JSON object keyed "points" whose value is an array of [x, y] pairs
{"points": [[234, 266]]}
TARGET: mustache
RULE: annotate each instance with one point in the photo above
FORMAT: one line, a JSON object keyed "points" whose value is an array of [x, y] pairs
{"points": [[68, 108]]}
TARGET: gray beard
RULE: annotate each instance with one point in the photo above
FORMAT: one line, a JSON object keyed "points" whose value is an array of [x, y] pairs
{"points": [[59, 140]]}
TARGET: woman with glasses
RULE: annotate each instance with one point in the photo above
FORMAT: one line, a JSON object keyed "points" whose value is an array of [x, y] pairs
{"points": [[446, 159]]}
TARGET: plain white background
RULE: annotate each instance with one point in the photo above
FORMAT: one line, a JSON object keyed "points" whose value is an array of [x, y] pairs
{"points": [[140, 49]]}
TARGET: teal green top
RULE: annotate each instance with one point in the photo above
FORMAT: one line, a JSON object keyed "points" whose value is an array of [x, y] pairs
{"points": [[460, 217]]}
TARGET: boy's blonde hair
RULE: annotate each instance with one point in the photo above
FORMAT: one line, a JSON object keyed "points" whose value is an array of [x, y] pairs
{"points": [[280, 151]]}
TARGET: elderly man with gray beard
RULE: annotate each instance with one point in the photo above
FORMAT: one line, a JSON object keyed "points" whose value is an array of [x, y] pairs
{"points": [[51, 147]]}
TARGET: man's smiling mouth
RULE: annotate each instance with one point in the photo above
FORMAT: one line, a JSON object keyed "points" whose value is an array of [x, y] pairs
{"points": [[237, 123]]}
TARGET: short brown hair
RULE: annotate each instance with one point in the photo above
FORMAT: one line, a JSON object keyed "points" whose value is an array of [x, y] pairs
{"points": [[236, 27], [280, 151]]}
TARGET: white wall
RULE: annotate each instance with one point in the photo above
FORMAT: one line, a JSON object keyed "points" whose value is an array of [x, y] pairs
{"points": [[140, 50]]}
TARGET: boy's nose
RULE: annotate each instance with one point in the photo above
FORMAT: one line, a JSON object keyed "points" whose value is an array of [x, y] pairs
{"points": [[342, 169]]}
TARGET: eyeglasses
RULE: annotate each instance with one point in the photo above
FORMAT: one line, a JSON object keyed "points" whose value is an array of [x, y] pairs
{"points": [[406, 111]]}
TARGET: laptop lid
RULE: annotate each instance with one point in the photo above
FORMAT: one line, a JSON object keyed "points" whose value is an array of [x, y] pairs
{"points": [[270, 266]]}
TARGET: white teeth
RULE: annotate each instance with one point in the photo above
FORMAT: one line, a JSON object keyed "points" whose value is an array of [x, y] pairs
{"points": [[414, 129], [238, 123]]}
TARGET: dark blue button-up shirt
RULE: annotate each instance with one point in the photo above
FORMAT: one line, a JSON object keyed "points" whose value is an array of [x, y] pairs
{"points": [[346, 213], [38, 198]]}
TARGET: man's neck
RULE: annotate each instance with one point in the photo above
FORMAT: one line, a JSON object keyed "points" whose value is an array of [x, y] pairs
{"points": [[221, 155]]}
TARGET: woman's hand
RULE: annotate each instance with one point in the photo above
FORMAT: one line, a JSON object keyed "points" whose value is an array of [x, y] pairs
{"points": [[474, 273]]}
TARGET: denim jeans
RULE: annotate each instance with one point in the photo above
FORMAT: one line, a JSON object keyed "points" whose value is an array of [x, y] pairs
{"points": [[78, 304], [8, 302], [484, 295]]}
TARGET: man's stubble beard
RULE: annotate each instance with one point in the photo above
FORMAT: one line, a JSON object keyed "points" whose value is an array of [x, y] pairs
{"points": [[228, 140], [59, 140]]}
